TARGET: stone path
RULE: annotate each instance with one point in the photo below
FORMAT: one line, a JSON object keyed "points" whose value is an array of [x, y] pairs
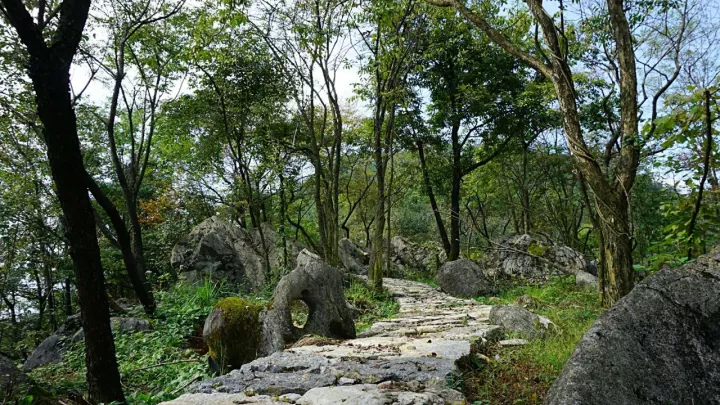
{"points": [[405, 360]]}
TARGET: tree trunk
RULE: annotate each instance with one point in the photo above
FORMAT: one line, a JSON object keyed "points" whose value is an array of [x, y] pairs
{"points": [[615, 275], [524, 192], [51, 82], [433, 202], [67, 296], [706, 169], [455, 195], [136, 275]]}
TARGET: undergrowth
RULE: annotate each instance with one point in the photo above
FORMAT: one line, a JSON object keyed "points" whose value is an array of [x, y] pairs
{"points": [[154, 366], [373, 305], [523, 374], [157, 366]]}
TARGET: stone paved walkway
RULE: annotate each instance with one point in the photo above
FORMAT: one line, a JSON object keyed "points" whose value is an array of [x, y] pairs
{"points": [[405, 360]]}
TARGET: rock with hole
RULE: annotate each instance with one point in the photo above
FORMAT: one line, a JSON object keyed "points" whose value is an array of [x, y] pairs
{"points": [[320, 287]]}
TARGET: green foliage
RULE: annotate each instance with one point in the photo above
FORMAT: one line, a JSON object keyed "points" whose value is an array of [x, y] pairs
{"points": [[372, 304], [154, 366], [525, 373]]}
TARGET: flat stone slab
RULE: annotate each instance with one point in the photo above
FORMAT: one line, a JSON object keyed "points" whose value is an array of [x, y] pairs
{"points": [[404, 360]]}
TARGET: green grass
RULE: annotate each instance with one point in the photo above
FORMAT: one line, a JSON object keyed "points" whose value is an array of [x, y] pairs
{"points": [[373, 305], [525, 373]]}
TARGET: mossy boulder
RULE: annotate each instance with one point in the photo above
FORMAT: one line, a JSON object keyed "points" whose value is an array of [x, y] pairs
{"points": [[233, 333]]}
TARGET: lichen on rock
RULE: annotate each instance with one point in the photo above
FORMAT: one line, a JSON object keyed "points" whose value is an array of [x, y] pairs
{"points": [[233, 333]]}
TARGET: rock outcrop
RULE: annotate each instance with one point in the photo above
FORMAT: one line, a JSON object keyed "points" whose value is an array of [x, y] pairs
{"points": [[354, 259], [463, 278], [405, 257], [409, 256], [526, 257], [54, 346], [518, 320], [221, 250], [320, 287], [657, 345]]}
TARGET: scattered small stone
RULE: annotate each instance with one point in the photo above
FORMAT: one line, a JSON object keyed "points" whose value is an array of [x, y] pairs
{"points": [[513, 342], [346, 381], [290, 398]]}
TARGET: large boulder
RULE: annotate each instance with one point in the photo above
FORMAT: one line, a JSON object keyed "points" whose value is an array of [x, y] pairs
{"points": [[658, 345], [222, 250], [529, 258], [352, 257], [463, 278], [518, 320], [320, 287], [232, 333], [54, 346]]}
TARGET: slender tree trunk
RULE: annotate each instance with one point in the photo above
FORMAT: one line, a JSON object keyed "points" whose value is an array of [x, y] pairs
{"points": [[706, 170], [137, 277], [51, 82], [283, 212], [388, 261], [67, 297], [50, 296], [375, 270], [433, 202], [525, 193], [455, 195]]}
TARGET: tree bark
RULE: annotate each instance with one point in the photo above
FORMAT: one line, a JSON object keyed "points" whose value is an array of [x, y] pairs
{"points": [[706, 170], [455, 194], [137, 277], [431, 195], [48, 68]]}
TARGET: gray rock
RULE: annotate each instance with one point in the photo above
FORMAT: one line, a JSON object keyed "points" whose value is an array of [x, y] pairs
{"points": [[369, 394], [526, 257], [521, 321], [221, 250], [345, 381], [583, 279], [10, 376], [125, 325], [408, 255], [320, 287], [224, 399], [352, 257], [463, 278], [54, 346], [290, 398], [657, 345]]}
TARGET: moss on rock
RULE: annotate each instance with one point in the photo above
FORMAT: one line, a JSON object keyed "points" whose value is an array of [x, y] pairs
{"points": [[233, 332]]}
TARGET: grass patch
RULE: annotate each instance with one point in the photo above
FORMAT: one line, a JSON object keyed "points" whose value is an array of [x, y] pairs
{"points": [[373, 305], [524, 374]]}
